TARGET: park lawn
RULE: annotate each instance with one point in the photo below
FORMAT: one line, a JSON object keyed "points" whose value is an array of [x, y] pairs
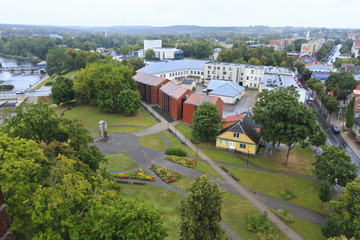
{"points": [[46, 99], [300, 161], [185, 128], [70, 74], [307, 229], [62, 107], [118, 162], [163, 200], [153, 141], [222, 157], [91, 116], [175, 143], [206, 168], [306, 190], [118, 129], [183, 183]]}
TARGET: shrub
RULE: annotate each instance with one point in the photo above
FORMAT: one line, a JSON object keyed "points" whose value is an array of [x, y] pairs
{"points": [[287, 194], [49, 83], [187, 162], [284, 215], [260, 223], [175, 151]]}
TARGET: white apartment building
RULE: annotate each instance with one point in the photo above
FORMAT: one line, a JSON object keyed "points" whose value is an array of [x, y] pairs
{"points": [[224, 71]]}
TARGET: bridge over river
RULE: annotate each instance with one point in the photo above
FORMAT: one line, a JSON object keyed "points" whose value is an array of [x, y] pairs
{"points": [[22, 70]]}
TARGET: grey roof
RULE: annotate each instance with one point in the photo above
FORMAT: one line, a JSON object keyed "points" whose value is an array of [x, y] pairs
{"points": [[171, 66], [357, 121], [224, 88], [187, 81], [357, 77], [247, 126], [320, 68]]}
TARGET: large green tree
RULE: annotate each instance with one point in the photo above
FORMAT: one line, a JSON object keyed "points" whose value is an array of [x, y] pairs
{"points": [[58, 61], [62, 90], [149, 54], [200, 213], [342, 84], [202, 49], [128, 102], [334, 166], [206, 121], [350, 114]]}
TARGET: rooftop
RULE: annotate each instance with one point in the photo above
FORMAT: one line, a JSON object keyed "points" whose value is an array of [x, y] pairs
{"points": [[320, 68], [233, 118], [196, 99], [246, 126], [227, 63], [148, 79], [187, 81], [172, 66], [173, 90], [224, 88]]}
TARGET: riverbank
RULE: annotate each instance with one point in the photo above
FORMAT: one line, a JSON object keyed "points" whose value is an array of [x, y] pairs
{"points": [[21, 58]]}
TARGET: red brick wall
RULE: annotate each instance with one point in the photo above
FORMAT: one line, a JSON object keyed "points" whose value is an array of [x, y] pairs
{"points": [[357, 102], [188, 111], [155, 95], [220, 106], [4, 219]]}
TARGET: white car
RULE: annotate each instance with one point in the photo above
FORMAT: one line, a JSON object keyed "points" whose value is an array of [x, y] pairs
{"points": [[20, 92]]}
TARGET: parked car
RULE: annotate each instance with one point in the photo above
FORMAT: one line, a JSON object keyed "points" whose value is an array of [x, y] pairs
{"points": [[335, 129], [20, 92]]}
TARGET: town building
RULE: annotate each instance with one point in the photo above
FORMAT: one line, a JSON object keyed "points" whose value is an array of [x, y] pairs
{"points": [[355, 48], [41, 65], [177, 71], [149, 86], [215, 53], [356, 94], [160, 52], [243, 136], [196, 99], [188, 84], [224, 71], [307, 48], [354, 36], [228, 91], [280, 44], [231, 120], [171, 99]]}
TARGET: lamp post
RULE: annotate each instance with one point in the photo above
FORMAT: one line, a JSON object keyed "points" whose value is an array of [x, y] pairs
{"points": [[247, 162], [197, 148], [185, 138]]}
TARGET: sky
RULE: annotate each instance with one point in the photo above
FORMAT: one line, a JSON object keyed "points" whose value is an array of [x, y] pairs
{"points": [[274, 13]]}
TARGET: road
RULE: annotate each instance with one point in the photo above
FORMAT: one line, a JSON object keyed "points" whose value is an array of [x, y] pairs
{"points": [[335, 52], [334, 139], [26, 94]]}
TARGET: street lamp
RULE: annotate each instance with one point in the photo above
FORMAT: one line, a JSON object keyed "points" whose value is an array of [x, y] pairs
{"points": [[247, 162], [185, 138]]}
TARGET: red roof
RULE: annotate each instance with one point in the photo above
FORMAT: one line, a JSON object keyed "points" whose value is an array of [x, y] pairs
{"points": [[357, 43], [173, 90], [196, 99], [233, 118], [331, 93], [149, 79]]}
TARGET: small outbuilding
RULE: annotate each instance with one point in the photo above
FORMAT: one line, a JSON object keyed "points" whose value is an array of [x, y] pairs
{"points": [[149, 86], [171, 99], [195, 100], [228, 91], [188, 84]]}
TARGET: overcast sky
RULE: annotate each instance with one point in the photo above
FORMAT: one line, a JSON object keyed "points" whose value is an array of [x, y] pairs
{"points": [[306, 13]]}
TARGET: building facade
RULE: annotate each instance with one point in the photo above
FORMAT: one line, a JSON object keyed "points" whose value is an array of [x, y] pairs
{"points": [[171, 99], [148, 86]]}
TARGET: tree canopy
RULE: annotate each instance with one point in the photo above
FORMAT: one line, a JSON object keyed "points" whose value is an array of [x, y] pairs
{"points": [[62, 90], [342, 84], [206, 121]]}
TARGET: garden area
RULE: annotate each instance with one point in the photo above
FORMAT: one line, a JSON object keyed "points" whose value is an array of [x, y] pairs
{"points": [[137, 174], [165, 174], [91, 117], [186, 162], [118, 162]]}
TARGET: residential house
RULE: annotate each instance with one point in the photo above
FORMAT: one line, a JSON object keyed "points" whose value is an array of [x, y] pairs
{"points": [[354, 36], [355, 48], [196, 99], [243, 136], [149, 86], [231, 120]]}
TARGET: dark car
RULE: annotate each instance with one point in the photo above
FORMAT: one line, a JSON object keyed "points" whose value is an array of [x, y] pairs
{"points": [[335, 129]]}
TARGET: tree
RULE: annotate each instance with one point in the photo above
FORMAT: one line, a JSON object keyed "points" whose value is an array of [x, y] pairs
{"points": [[128, 102], [334, 166], [297, 44], [200, 213], [331, 104], [350, 114], [58, 61], [202, 49], [206, 122], [62, 90], [345, 217], [342, 84], [306, 74], [149, 54], [318, 87], [325, 192], [254, 61], [319, 138], [300, 66], [290, 47], [344, 50]]}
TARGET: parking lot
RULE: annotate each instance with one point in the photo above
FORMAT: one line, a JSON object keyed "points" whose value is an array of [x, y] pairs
{"points": [[246, 102]]}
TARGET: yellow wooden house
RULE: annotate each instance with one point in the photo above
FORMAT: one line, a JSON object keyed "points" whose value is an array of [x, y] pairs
{"points": [[243, 136]]}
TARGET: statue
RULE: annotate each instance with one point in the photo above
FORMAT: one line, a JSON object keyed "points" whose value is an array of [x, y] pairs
{"points": [[103, 133]]}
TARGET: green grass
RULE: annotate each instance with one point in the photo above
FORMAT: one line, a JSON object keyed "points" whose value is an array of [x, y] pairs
{"points": [[62, 107], [186, 129], [153, 141], [222, 157], [300, 161], [45, 81], [183, 183], [118, 129], [206, 168], [307, 230], [69, 74], [175, 143], [91, 116], [306, 190], [118, 162]]}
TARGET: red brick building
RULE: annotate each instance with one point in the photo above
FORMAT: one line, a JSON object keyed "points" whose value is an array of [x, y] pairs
{"points": [[148, 86], [4, 220], [171, 98], [195, 100]]}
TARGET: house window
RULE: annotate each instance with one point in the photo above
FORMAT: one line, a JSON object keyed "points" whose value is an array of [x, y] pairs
{"points": [[230, 68], [236, 135], [255, 78], [218, 68], [358, 106], [256, 72], [208, 72], [252, 78], [242, 146], [214, 72], [357, 114], [198, 72], [252, 71], [250, 84], [254, 84], [202, 73], [191, 72], [223, 142], [209, 76], [230, 78], [224, 73], [259, 78], [209, 67]]}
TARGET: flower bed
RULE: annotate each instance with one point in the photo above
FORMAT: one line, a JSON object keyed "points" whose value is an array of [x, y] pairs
{"points": [[138, 174], [187, 162], [166, 175]]}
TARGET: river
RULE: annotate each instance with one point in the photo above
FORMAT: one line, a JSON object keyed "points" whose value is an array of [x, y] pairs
{"points": [[21, 81]]}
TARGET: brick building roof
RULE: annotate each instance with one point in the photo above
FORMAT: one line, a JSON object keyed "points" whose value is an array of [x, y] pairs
{"points": [[173, 90], [149, 79], [196, 99]]}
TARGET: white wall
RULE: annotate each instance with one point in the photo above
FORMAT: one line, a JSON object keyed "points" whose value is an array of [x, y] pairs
{"points": [[152, 44]]}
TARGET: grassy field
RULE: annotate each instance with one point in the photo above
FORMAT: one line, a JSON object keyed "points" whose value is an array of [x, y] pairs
{"points": [[118, 129], [91, 116], [223, 157], [236, 210], [69, 74], [300, 161], [46, 99], [175, 143], [45, 81], [62, 107], [184, 128], [118, 162], [307, 230], [183, 183], [206, 168], [306, 190], [153, 141]]}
